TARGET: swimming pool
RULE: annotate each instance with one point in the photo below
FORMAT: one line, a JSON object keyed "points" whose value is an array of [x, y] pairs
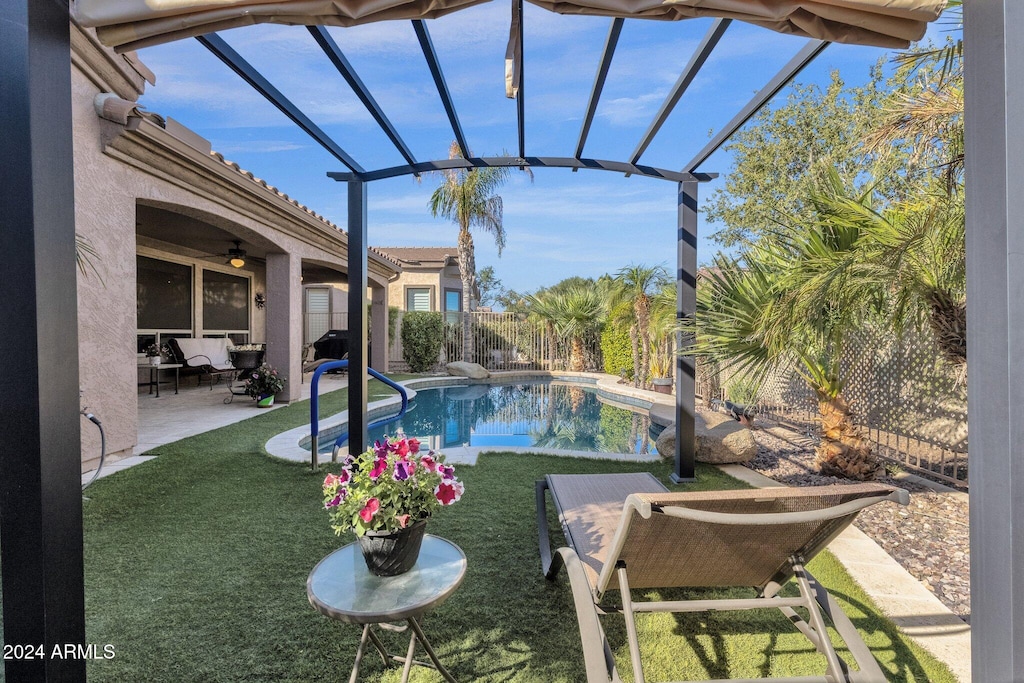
{"points": [[543, 414]]}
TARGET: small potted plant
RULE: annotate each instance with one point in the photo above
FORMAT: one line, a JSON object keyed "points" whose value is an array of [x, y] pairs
{"points": [[262, 384], [156, 352], [385, 495], [661, 368]]}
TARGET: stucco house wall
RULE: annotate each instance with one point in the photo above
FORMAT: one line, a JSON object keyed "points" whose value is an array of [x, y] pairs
{"points": [[133, 161]]}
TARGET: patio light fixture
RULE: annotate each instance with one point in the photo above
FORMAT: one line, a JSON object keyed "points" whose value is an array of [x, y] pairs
{"points": [[236, 255]]}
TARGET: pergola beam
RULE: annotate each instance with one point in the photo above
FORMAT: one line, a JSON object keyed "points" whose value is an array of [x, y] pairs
{"points": [[215, 44], [344, 67], [610, 44], [442, 88], [693, 67], [806, 55], [517, 162]]}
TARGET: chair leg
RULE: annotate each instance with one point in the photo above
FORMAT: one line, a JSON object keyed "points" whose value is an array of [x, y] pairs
{"points": [[630, 617]]}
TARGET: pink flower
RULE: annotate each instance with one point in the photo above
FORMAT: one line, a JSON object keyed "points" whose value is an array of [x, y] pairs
{"points": [[414, 446], [331, 480], [379, 466], [369, 510], [448, 492], [345, 476], [402, 448], [428, 463], [403, 521]]}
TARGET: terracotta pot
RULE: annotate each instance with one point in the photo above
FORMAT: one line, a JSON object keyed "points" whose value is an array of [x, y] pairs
{"points": [[390, 553]]}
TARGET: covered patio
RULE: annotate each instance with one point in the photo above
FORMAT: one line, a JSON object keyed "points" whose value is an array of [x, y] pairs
{"points": [[41, 512]]}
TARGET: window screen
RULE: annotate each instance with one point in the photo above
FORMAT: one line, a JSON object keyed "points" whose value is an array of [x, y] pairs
{"points": [[164, 295], [225, 301], [417, 299]]}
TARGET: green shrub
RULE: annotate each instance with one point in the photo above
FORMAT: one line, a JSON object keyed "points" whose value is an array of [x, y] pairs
{"points": [[742, 390], [421, 339], [393, 313], [617, 350]]}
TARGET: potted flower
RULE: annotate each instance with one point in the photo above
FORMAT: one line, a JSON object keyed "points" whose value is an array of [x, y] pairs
{"points": [[262, 384], [661, 368], [155, 353], [385, 495]]}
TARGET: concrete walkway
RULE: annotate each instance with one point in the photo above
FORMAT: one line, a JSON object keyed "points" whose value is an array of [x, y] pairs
{"points": [[902, 598]]}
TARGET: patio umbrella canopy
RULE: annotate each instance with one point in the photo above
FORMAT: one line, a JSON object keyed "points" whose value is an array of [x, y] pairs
{"points": [[130, 24]]}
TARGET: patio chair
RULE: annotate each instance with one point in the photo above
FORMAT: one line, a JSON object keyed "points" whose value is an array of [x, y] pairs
{"points": [[626, 531]]}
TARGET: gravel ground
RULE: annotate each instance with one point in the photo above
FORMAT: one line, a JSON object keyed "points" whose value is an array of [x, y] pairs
{"points": [[929, 537]]}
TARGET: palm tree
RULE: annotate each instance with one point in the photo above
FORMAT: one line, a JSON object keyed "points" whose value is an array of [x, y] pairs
{"points": [[578, 313], [785, 304], [466, 197], [914, 254], [544, 312], [636, 284]]}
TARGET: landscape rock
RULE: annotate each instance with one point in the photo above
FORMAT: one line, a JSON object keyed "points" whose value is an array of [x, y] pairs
{"points": [[471, 370], [720, 440]]}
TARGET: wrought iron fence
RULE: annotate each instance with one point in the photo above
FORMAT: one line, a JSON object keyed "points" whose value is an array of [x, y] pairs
{"points": [[911, 404], [505, 341]]}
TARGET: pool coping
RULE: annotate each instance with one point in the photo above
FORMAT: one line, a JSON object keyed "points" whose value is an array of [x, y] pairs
{"points": [[287, 445]]}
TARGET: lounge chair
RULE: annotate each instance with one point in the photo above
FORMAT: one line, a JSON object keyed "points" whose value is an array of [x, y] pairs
{"points": [[626, 531]]}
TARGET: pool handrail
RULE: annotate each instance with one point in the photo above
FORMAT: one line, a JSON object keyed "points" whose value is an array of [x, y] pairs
{"points": [[314, 408]]}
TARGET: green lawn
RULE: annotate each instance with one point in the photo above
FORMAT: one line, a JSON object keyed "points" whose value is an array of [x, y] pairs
{"points": [[196, 565]]}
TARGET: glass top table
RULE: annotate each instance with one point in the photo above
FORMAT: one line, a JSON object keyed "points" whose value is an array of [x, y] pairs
{"points": [[341, 587]]}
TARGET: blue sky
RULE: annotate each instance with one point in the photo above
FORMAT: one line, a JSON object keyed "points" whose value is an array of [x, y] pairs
{"points": [[560, 224]]}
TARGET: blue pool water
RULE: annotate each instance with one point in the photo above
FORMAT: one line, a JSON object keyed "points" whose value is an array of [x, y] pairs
{"points": [[540, 414]]}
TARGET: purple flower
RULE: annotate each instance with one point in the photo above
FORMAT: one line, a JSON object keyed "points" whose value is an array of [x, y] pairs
{"points": [[447, 472], [380, 449], [404, 469], [336, 501], [379, 466]]}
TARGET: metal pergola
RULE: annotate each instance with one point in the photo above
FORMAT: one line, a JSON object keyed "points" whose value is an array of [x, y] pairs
{"points": [[40, 503], [356, 177]]}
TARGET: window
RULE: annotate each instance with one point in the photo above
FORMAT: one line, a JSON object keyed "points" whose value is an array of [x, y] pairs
{"points": [[225, 303], [163, 294], [318, 313], [452, 305], [417, 299]]}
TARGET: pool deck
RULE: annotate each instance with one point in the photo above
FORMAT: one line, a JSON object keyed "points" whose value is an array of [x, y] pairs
{"points": [[899, 595]]}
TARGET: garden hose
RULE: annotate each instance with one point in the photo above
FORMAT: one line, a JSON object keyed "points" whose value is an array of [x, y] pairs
{"points": [[103, 445]]}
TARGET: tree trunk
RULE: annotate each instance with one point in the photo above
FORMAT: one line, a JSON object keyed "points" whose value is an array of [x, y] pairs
{"points": [[948, 321], [843, 452], [642, 309], [467, 270], [576, 361]]}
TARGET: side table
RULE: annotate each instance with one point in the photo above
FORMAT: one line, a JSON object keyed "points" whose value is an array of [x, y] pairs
{"points": [[342, 588], [154, 375]]}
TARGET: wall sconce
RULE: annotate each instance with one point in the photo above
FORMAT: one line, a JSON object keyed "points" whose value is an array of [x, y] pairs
{"points": [[261, 300]]}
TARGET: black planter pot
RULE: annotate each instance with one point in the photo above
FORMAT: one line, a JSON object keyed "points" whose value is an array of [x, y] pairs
{"points": [[390, 553]]}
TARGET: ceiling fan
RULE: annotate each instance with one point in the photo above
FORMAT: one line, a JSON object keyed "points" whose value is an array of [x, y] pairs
{"points": [[236, 255]]}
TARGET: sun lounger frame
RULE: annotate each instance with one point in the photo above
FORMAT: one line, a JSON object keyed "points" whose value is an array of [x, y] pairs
{"points": [[589, 595]]}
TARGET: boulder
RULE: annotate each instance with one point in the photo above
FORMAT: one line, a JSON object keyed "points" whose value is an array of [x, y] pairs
{"points": [[471, 370], [720, 440]]}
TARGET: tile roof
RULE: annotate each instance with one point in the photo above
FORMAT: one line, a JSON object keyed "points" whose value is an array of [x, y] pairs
{"points": [[418, 255]]}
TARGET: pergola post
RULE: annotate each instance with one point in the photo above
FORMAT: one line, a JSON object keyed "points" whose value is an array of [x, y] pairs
{"points": [[686, 306], [357, 320], [40, 456], [994, 136]]}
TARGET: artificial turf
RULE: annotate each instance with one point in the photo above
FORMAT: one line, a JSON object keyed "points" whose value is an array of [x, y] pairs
{"points": [[196, 565]]}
